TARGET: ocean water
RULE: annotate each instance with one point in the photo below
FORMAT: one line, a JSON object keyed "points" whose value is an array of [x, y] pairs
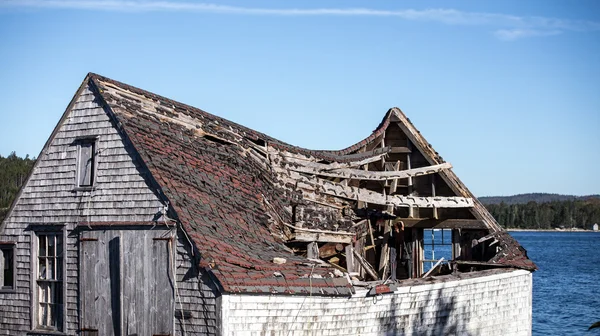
{"points": [[566, 288]]}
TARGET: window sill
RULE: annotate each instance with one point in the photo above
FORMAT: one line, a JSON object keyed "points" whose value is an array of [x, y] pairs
{"points": [[46, 332], [92, 188], [8, 290]]}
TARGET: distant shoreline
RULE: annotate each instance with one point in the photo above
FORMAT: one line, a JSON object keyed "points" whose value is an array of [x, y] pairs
{"points": [[550, 230]]}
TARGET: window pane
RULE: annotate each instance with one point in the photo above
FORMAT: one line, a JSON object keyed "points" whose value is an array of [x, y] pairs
{"points": [[42, 246], [42, 268], [51, 245], [50, 270], [51, 315], [58, 294], [44, 291], [59, 245], [43, 315], [59, 275]]}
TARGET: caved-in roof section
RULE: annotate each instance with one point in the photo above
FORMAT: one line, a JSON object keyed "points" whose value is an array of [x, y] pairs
{"points": [[225, 202]]}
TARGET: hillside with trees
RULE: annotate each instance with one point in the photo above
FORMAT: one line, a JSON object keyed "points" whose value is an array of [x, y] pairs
{"points": [[544, 211], [13, 173], [579, 213], [533, 197], [525, 211]]}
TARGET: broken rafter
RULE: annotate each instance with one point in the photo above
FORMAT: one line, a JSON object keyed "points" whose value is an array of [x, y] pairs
{"points": [[359, 174], [320, 231], [360, 194], [302, 236], [365, 264], [296, 159], [428, 223]]}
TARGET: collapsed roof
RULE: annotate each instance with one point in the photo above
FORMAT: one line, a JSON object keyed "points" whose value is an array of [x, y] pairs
{"points": [[246, 200]]}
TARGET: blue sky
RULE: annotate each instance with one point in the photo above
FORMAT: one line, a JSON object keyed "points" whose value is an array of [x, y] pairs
{"points": [[506, 91]]}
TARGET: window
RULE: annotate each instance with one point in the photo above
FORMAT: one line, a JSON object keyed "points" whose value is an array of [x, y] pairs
{"points": [[86, 162], [49, 280], [437, 244], [7, 267]]}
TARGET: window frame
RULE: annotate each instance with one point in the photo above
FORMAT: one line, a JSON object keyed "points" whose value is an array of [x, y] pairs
{"points": [[12, 246], [79, 141], [52, 230]]}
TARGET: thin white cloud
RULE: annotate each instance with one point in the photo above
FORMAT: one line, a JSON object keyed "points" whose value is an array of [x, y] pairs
{"points": [[507, 27], [514, 34]]}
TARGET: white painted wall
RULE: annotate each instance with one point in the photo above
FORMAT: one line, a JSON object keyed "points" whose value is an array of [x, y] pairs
{"points": [[498, 304]]}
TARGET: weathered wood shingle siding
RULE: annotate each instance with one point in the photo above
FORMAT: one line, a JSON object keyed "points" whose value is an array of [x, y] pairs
{"points": [[196, 294], [121, 194]]}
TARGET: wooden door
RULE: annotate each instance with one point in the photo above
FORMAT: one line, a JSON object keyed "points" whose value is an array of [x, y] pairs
{"points": [[126, 282]]}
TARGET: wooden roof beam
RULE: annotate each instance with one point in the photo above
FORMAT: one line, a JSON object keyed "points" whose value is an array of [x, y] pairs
{"points": [[359, 174], [430, 223], [322, 186], [312, 162]]}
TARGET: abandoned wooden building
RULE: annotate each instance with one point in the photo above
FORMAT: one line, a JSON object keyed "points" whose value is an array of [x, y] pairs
{"points": [[146, 216]]}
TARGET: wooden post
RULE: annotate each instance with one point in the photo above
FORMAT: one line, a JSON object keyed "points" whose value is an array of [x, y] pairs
{"points": [[435, 210], [371, 232], [361, 204], [350, 259], [385, 251], [411, 212], [455, 243], [359, 246]]}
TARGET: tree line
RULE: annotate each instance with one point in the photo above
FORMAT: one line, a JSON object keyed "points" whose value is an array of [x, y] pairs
{"points": [[527, 211], [575, 213], [13, 173]]}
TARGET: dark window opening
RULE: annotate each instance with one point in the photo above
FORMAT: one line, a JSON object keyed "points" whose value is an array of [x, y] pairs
{"points": [[7, 265], [86, 163]]}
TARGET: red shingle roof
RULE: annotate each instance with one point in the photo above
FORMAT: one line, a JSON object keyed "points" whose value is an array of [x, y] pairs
{"points": [[217, 193]]}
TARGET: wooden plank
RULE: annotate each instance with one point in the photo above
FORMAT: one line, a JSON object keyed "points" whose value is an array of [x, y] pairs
{"points": [[365, 195], [479, 263], [365, 264], [359, 246], [411, 210], [321, 237], [371, 233], [400, 150], [331, 166], [350, 259], [133, 284], [435, 210], [434, 267], [359, 174], [394, 184], [428, 223], [162, 308], [354, 160], [99, 282]]}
